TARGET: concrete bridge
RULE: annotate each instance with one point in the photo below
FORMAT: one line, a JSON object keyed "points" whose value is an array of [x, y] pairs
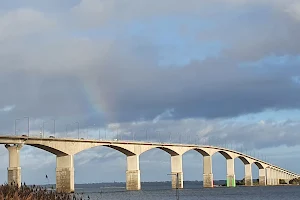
{"points": [[65, 149]]}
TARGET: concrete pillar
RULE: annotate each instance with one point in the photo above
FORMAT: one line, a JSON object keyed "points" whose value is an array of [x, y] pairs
{"points": [[176, 168], [248, 175], [230, 173], [279, 176], [133, 173], [208, 178], [262, 177], [269, 176], [289, 177], [272, 178], [65, 174], [276, 175], [14, 169], [286, 178]]}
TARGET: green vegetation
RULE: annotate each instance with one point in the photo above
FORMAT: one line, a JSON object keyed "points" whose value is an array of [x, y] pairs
{"points": [[295, 181], [10, 192], [282, 181], [241, 182]]}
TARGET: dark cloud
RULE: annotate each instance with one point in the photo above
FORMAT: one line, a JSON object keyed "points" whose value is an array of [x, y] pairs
{"points": [[70, 76]]}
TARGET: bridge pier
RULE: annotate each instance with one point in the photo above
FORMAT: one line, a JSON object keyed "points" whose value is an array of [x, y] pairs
{"points": [[277, 176], [176, 168], [274, 176], [65, 173], [280, 176], [286, 178], [14, 169], [248, 175], [133, 173], [262, 177], [208, 178], [269, 176], [230, 173]]}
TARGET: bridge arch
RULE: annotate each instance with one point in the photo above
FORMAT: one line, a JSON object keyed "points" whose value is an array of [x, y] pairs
{"points": [[169, 150], [73, 148], [159, 156], [117, 148], [49, 149], [225, 154], [103, 154], [259, 165], [244, 159], [202, 151]]}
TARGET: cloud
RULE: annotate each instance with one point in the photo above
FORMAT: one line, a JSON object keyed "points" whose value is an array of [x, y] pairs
{"points": [[23, 22], [68, 75], [7, 108], [164, 115], [99, 62], [294, 10]]}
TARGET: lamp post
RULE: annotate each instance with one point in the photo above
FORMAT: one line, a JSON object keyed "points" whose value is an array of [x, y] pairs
{"points": [[158, 132], [133, 136], [146, 135], [44, 128], [179, 138], [16, 126], [67, 130], [88, 131], [53, 127], [27, 125], [77, 128]]}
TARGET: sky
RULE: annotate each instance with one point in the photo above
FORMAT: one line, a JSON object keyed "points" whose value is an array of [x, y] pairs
{"points": [[220, 72]]}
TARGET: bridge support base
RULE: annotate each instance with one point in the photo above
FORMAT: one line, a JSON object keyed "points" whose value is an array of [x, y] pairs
{"points": [[14, 169], [262, 177], [231, 180], [65, 174], [248, 181], [133, 180], [174, 180], [133, 174], [269, 179], [14, 176], [287, 181], [176, 168], [248, 175], [262, 181], [208, 180]]}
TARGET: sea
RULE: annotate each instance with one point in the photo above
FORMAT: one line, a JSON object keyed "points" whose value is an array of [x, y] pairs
{"points": [[192, 191]]}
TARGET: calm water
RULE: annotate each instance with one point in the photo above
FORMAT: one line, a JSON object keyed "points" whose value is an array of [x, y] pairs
{"points": [[191, 192]]}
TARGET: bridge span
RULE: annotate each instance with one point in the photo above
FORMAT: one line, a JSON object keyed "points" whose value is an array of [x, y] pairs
{"points": [[65, 149]]}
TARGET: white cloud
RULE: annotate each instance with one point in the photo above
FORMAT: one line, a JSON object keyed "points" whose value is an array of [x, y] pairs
{"points": [[22, 22], [294, 10], [166, 114], [7, 108]]}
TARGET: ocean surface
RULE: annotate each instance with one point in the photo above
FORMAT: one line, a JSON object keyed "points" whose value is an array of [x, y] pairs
{"points": [[162, 191]]}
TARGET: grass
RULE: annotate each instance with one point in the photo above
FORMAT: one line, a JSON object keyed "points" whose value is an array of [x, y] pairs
{"points": [[11, 192]]}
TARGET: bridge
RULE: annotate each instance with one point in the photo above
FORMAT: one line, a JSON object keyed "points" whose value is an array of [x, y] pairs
{"points": [[65, 149]]}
